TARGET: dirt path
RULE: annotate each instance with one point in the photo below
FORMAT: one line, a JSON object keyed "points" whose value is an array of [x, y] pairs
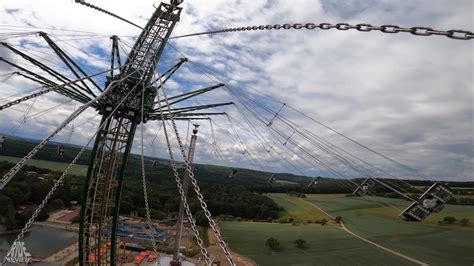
{"points": [[343, 227], [317, 207], [217, 254]]}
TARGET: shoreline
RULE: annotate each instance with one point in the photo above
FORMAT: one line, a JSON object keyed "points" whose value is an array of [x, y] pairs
{"points": [[10, 232], [58, 226]]}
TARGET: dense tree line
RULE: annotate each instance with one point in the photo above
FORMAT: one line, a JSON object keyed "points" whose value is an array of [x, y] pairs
{"points": [[25, 192]]}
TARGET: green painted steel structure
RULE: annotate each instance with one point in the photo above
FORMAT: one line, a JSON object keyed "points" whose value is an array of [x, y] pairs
{"points": [[121, 113]]}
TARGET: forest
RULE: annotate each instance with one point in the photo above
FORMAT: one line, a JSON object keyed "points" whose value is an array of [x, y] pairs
{"points": [[242, 197], [25, 192]]}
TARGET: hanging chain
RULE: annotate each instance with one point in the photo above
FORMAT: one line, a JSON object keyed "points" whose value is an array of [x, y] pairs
{"points": [[145, 187], [197, 189], [45, 201], [204, 252], [82, 2], [363, 27]]}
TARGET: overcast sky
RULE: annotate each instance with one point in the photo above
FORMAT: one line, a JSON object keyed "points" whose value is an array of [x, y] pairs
{"points": [[408, 97]]}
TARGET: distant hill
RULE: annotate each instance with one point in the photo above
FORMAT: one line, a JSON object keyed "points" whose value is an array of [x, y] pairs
{"points": [[19, 147]]}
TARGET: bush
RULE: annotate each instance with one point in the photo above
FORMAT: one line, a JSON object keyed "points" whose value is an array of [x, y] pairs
{"points": [[297, 222], [464, 221], [300, 243], [324, 221], [449, 220], [338, 219], [272, 244]]}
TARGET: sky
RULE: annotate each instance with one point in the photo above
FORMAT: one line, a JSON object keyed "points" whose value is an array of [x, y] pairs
{"points": [[407, 97]]}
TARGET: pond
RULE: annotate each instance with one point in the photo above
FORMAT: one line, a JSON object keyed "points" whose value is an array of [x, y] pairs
{"points": [[41, 241]]}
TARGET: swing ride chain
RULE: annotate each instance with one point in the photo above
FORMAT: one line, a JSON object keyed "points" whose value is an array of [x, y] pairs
{"points": [[188, 211], [204, 252], [147, 206], [197, 189], [363, 27], [17, 101], [200, 197]]}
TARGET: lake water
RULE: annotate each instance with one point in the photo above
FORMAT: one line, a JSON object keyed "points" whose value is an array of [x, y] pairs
{"points": [[41, 242]]}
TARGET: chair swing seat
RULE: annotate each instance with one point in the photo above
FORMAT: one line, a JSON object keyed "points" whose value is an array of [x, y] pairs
{"points": [[433, 200], [364, 188]]}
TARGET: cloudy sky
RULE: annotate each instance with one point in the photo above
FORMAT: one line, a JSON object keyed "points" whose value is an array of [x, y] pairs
{"points": [[407, 97]]}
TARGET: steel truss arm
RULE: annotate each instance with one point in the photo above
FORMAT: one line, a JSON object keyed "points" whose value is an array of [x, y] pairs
{"points": [[191, 118], [69, 63], [198, 107], [65, 91], [49, 88], [32, 78], [184, 115], [187, 95], [49, 70], [170, 72]]}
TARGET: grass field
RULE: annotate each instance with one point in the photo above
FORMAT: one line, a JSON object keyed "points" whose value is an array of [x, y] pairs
{"points": [[297, 207], [377, 219], [326, 245], [80, 170], [373, 218]]}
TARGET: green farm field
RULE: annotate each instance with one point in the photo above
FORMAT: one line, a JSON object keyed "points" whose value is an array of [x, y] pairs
{"points": [[326, 245], [375, 219], [79, 170], [296, 207]]}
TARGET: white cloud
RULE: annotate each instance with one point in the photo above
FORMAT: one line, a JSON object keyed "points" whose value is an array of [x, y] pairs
{"points": [[406, 96]]}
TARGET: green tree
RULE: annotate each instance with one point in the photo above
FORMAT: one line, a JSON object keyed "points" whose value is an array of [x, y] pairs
{"points": [[201, 219], [272, 244], [324, 221], [5, 203], [10, 218], [338, 219], [300, 243], [42, 216], [56, 204], [464, 221]]}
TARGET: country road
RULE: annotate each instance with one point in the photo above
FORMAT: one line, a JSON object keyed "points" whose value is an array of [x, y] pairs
{"points": [[343, 227]]}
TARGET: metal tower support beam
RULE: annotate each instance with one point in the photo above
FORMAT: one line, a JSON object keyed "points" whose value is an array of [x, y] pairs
{"points": [[102, 191], [152, 41], [104, 181]]}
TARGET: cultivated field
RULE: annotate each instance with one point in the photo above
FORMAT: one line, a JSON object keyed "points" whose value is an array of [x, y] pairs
{"points": [[327, 245], [296, 207], [375, 219], [80, 170]]}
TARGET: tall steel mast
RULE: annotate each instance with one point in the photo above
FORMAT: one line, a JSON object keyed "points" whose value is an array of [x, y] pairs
{"points": [[104, 181], [179, 224]]}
